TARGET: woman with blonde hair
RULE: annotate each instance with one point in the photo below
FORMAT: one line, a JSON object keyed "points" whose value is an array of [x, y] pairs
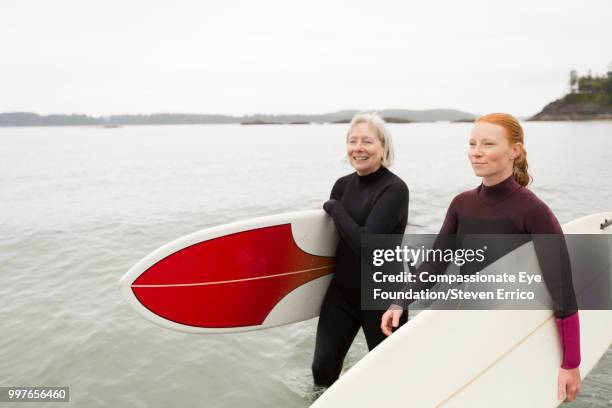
{"points": [[371, 200], [503, 205]]}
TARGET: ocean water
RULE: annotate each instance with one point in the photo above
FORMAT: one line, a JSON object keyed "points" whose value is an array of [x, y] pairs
{"points": [[80, 205]]}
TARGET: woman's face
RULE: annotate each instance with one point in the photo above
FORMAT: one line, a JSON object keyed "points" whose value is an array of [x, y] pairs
{"points": [[364, 149], [490, 153]]}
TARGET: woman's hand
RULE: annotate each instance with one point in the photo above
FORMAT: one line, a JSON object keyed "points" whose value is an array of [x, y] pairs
{"points": [[568, 384], [329, 205], [390, 319]]}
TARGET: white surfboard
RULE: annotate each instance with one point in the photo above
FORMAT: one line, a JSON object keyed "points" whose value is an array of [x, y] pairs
{"points": [[248, 275], [491, 358]]}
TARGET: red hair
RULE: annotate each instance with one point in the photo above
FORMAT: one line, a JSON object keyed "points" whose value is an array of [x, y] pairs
{"points": [[514, 134]]}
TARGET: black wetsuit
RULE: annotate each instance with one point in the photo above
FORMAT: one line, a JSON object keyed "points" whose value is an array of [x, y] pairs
{"points": [[376, 203]]}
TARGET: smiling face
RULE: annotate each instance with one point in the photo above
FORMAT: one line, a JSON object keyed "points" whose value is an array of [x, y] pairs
{"points": [[364, 149], [491, 154]]}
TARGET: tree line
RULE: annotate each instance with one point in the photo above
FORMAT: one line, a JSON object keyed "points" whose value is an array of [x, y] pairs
{"points": [[591, 84]]}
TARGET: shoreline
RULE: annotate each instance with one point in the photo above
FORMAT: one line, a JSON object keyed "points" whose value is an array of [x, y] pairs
{"points": [[545, 119]]}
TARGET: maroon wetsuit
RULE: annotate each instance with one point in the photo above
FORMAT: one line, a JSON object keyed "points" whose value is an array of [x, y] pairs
{"points": [[509, 208]]}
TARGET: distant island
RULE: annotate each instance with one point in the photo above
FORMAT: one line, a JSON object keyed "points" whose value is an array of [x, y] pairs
{"points": [[589, 98], [260, 122], [386, 119], [114, 121]]}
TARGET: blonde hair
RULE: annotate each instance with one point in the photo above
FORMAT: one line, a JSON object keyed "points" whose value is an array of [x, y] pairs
{"points": [[378, 124], [514, 134]]}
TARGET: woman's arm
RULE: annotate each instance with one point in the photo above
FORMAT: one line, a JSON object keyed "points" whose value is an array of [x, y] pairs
{"points": [[391, 318], [388, 209], [553, 257], [444, 240]]}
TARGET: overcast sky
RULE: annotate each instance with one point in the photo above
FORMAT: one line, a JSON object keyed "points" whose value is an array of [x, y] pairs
{"points": [[243, 57]]}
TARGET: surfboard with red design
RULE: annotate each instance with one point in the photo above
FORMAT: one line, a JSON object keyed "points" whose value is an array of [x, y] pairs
{"points": [[248, 275]]}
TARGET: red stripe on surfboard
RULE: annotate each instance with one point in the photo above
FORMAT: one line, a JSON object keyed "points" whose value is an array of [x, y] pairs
{"points": [[236, 304], [246, 255]]}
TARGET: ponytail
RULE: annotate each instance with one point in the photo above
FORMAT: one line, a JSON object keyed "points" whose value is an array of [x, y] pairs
{"points": [[520, 173]]}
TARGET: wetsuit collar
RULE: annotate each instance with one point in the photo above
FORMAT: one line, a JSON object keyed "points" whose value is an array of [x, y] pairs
{"points": [[373, 176], [499, 191]]}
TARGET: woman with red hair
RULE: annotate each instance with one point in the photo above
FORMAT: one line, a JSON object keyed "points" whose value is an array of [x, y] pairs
{"points": [[503, 205]]}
